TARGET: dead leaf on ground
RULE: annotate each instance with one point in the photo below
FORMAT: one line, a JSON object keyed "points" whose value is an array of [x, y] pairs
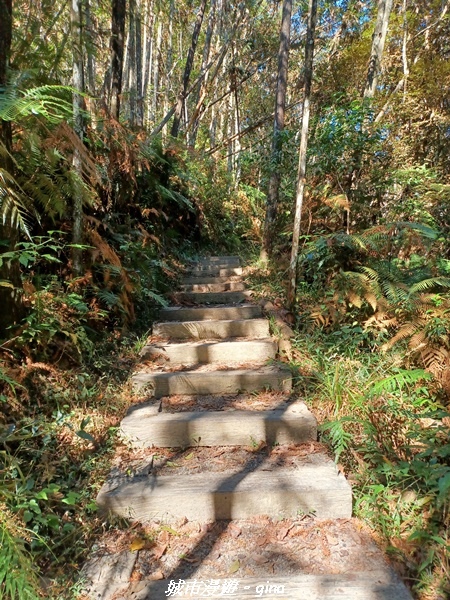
{"points": [[156, 576], [137, 544], [159, 550], [234, 567]]}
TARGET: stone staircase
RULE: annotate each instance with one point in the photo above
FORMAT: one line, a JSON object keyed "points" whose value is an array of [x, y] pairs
{"points": [[213, 352]]}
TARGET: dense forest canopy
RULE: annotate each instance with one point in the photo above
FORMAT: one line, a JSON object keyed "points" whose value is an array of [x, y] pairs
{"points": [[136, 133]]}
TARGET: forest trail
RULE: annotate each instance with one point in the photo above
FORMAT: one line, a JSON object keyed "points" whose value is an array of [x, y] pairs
{"points": [[230, 494]]}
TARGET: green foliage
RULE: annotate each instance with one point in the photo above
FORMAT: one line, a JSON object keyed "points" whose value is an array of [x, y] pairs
{"points": [[18, 577]]}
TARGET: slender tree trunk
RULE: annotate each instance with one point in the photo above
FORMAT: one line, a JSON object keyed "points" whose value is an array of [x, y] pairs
{"points": [[156, 70], [278, 127], [139, 62], [187, 70], [148, 49], [11, 305], [117, 45], [309, 57], [132, 66], [77, 83], [90, 54], [378, 41], [201, 87]]}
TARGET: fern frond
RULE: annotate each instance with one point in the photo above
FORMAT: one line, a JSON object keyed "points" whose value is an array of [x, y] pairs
{"points": [[12, 204], [44, 101], [398, 381], [427, 284]]}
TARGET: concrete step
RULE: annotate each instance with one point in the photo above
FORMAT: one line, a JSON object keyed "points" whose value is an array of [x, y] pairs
{"points": [[183, 313], [213, 382], [222, 261], [144, 427], [216, 352], [210, 330], [365, 585], [211, 279], [210, 270], [315, 487], [232, 286], [212, 297]]}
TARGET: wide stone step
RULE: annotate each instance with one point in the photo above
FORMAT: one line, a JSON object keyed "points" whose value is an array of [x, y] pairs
{"points": [[365, 585], [204, 270], [212, 297], [183, 313], [232, 286], [214, 382], [145, 427], [253, 328], [222, 261], [315, 488], [211, 279], [192, 353]]}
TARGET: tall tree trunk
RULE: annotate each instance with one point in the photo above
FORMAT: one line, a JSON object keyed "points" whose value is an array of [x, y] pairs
{"points": [[118, 11], [12, 309], [132, 66], [148, 49], [201, 87], [187, 70], [378, 41], [77, 83], [154, 112], [278, 127], [309, 57], [139, 84]]}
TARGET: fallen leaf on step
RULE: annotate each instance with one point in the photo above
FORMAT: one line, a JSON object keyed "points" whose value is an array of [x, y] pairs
{"points": [[137, 544], [164, 537], [234, 530], [263, 540], [159, 550], [234, 567], [156, 576]]}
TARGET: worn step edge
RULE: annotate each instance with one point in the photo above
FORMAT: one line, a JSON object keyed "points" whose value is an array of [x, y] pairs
{"points": [[232, 286], [201, 271], [362, 585], [210, 313], [214, 352], [212, 297], [317, 489], [211, 279], [213, 329], [213, 382], [144, 427], [233, 261]]}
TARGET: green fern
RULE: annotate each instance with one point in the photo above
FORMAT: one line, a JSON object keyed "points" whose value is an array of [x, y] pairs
{"points": [[337, 435], [44, 101], [400, 380]]}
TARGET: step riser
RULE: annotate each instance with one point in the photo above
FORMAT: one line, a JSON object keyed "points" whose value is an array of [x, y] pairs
{"points": [[372, 585], [212, 297], [212, 260], [214, 287], [214, 270], [229, 428], [178, 313], [226, 261], [203, 383], [207, 279], [221, 353], [210, 330], [314, 489]]}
